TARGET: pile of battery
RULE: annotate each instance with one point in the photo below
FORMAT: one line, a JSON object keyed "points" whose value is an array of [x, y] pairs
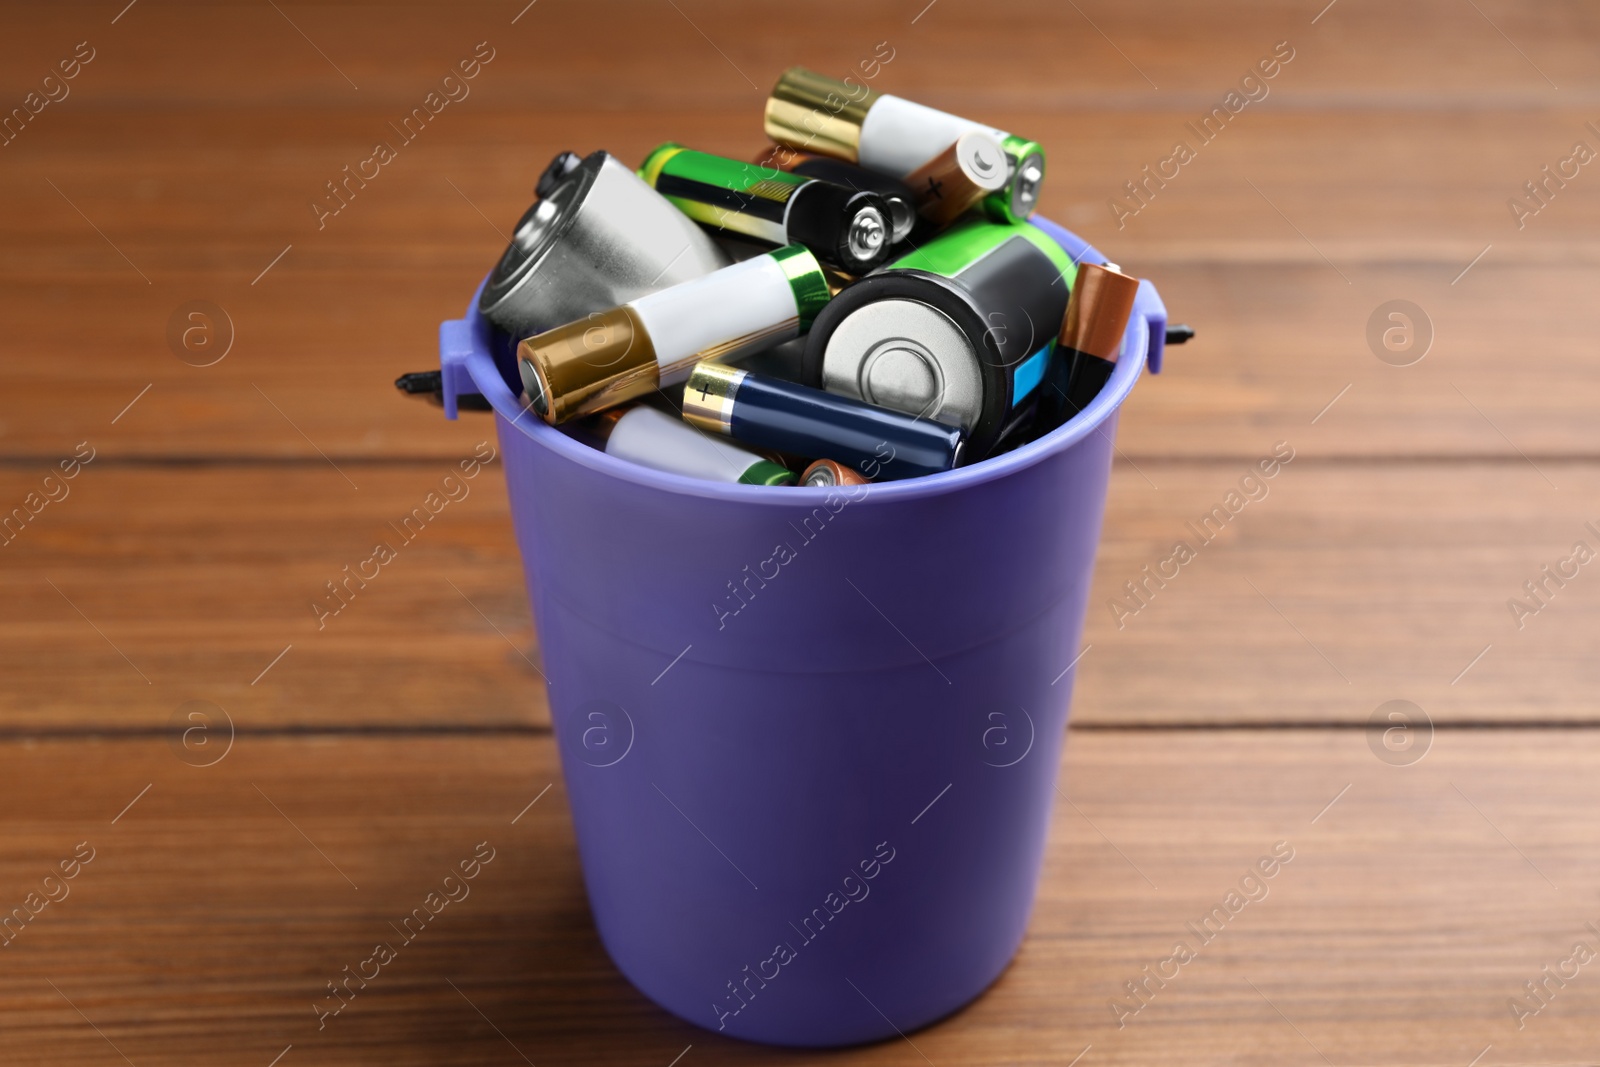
{"points": [[864, 301]]}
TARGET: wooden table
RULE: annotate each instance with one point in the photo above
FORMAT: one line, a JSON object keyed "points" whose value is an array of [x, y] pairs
{"points": [[180, 163]]}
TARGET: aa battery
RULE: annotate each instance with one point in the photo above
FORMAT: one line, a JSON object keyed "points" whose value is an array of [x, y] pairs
{"points": [[654, 439], [849, 228], [954, 181], [596, 237], [886, 133], [959, 331], [826, 472], [638, 347], [897, 194], [1090, 342], [773, 413]]}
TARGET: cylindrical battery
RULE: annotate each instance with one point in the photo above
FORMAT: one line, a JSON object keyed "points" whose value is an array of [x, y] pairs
{"points": [[1090, 342], [959, 331], [773, 413], [846, 227], [651, 438], [632, 350], [596, 237], [955, 180], [825, 472], [896, 193], [886, 133], [556, 172]]}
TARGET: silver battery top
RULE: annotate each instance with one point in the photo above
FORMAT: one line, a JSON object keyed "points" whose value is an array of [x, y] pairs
{"points": [[601, 238], [909, 356], [1025, 184]]}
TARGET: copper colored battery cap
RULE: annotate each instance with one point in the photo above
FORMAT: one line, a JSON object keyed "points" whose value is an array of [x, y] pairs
{"points": [[1099, 309], [825, 472], [950, 183]]}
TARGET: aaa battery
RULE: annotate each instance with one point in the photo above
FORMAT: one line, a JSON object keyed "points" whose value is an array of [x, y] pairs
{"points": [[1091, 334], [773, 413], [825, 472], [656, 440]]}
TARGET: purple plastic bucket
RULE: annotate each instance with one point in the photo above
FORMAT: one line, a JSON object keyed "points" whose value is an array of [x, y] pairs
{"points": [[810, 736]]}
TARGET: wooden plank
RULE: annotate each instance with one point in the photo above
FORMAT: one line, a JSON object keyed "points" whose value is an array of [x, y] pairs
{"points": [[1365, 176], [1418, 901], [703, 53], [326, 330], [312, 368], [1344, 587], [1350, 188], [146, 588]]}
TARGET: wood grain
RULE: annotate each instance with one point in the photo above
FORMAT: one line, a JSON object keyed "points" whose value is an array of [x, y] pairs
{"points": [[313, 363], [146, 588], [207, 923], [1344, 587], [1228, 712], [1364, 177], [692, 57]]}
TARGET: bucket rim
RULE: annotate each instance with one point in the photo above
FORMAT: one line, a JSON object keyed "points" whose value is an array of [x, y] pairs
{"points": [[472, 354]]}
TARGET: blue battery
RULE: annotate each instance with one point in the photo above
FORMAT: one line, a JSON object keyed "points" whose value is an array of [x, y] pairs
{"points": [[772, 413]]}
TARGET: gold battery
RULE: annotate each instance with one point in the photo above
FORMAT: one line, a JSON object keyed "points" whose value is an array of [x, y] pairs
{"points": [[954, 181], [806, 111], [708, 396], [588, 365]]}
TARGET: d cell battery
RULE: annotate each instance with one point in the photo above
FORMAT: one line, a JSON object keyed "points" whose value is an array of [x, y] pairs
{"points": [[959, 331]]}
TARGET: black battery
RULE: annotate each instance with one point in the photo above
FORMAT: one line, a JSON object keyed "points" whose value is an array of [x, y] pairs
{"points": [[959, 331]]}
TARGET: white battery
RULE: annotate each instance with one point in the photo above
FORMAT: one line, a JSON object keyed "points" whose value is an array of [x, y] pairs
{"points": [[722, 316], [898, 136], [655, 439]]}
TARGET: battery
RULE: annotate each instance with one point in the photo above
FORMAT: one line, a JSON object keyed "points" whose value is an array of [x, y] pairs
{"points": [[957, 179], [897, 194], [773, 413], [636, 348], [654, 439], [849, 228], [556, 172], [596, 237], [959, 331], [825, 472], [893, 135], [1090, 342]]}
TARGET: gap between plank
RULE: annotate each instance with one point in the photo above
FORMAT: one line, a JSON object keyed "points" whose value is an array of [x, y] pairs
{"points": [[23, 733]]}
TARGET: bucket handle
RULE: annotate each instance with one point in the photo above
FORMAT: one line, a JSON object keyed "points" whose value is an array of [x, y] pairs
{"points": [[465, 364]]}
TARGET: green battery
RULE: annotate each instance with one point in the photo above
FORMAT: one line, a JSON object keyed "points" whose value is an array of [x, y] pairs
{"points": [[1016, 204], [959, 331], [847, 228]]}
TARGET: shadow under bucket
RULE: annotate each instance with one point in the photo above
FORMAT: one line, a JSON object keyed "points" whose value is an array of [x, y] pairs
{"points": [[809, 735]]}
